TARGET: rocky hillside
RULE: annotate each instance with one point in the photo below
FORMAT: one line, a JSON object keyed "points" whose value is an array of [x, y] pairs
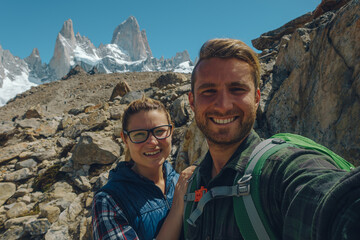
{"points": [[59, 140]]}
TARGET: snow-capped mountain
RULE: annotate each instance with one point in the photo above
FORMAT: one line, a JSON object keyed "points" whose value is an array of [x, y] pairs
{"points": [[128, 51]]}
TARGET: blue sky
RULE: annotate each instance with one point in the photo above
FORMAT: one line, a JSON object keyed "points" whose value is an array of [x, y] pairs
{"points": [[171, 26]]}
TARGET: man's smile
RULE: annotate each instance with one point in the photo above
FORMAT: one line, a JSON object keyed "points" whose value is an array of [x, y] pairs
{"points": [[223, 120]]}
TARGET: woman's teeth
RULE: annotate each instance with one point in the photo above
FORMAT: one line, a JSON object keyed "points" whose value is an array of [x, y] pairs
{"points": [[152, 153]]}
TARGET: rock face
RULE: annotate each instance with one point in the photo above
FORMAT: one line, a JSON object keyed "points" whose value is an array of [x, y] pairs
{"points": [[316, 82], [54, 157]]}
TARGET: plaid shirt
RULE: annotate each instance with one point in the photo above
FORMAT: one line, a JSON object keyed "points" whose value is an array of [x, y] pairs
{"points": [[303, 195], [109, 221]]}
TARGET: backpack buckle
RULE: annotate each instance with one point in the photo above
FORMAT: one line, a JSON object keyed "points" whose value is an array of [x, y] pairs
{"points": [[243, 185]]}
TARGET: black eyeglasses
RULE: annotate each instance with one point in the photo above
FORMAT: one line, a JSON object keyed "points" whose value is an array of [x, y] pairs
{"points": [[141, 135]]}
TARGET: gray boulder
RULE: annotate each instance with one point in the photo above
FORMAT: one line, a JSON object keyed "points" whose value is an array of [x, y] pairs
{"points": [[95, 148], [7, 189]]}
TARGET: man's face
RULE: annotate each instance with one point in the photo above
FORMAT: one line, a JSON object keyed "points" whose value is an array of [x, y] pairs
{"points": [[225, 100]]}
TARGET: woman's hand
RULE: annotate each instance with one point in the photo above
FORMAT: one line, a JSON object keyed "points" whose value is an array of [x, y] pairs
{"points": [[181, 186], [172, 225]]}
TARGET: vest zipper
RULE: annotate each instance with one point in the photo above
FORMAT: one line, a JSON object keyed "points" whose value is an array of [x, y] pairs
{"points": [[166, 191]]}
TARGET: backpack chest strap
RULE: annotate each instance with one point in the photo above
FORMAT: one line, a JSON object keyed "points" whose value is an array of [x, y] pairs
{"points": [[240, 189]]}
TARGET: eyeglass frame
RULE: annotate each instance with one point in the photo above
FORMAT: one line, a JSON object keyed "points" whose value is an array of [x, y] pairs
{"points": [[148, 132]]}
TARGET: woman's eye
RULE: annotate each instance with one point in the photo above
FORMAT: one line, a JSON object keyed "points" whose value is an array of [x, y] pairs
{"points": [[139, 134], [159, 132]]}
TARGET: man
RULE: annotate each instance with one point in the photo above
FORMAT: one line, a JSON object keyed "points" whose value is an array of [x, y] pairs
{"points": [[297, 187]]}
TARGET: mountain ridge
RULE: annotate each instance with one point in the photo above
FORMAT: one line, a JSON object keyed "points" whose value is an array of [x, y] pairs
{"points": [[129, 51]]}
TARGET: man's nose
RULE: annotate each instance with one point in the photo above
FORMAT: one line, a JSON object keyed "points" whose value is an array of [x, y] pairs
{"points": [[223, 101]]}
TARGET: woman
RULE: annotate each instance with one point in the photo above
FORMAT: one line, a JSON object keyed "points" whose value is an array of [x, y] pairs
{"points": [[139, 194]]}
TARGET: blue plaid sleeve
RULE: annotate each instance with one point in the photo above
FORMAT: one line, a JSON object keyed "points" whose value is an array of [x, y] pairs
{"points": [[109, 221]]}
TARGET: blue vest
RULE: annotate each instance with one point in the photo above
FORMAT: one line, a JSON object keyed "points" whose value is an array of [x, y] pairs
{"points": [[144, 204]]}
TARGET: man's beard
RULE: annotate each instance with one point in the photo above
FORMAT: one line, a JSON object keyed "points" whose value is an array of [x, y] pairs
{"points": [[224, 136]]}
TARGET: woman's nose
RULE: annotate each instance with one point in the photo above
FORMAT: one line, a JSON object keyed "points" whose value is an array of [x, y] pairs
{"points": [[151, 139]]}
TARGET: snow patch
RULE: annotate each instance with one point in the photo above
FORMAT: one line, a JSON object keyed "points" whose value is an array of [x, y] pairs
{"points": [[11, 88], [81, 55], [184, 67]]}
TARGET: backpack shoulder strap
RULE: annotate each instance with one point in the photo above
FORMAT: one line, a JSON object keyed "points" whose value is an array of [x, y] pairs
{"points": [[250, 217], [307, 143], [190, 196]]}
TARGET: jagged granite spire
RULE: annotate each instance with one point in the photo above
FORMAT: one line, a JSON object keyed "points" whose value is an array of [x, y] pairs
{"points": [[67, 31], [130, 39], [64, 46]]}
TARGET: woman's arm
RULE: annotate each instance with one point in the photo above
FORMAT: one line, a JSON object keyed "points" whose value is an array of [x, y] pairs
{"points": [[108, 220], [173, 223]]}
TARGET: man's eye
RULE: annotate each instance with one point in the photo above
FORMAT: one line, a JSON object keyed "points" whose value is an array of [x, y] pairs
{"points": [[208, 92], [237, 90]]}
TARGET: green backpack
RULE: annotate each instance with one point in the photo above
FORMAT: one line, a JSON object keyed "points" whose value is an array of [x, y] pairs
{"points": [[245, 191]]}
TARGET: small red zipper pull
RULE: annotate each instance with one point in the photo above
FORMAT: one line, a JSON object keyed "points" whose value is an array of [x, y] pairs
{"points": [[199, 193]]}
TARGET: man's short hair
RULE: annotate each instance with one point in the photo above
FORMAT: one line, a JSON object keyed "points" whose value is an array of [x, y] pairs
{"points": [[229, 48]]}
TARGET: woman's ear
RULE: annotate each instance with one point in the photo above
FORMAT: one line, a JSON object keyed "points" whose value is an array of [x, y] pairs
{"points": [[172, 127], [124, 138]]}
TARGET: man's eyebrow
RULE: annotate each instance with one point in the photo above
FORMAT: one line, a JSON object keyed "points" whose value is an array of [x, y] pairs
{"points": [[206, 85], [237, 84]]}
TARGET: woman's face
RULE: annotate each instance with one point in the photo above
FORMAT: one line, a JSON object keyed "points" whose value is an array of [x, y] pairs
{"points": [[152, 153]]}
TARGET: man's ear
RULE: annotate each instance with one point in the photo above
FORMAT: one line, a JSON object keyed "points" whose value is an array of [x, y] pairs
{"points": [[257, 97], [191, 100]]}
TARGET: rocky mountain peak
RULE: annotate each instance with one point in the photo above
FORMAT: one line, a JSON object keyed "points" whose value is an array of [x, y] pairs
{"points": [[35, 53], [34, 58], [67, 30], [130, 39]]}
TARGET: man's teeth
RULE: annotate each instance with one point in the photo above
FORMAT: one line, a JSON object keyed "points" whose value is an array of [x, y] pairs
{"points": [[152, 153], [223, 121]]}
